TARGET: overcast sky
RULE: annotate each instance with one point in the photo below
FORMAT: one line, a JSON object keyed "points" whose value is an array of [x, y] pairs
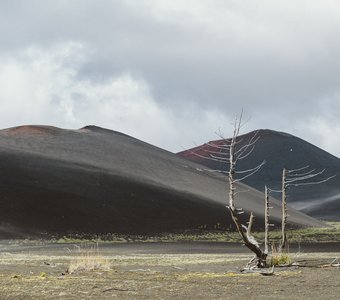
{"points": [[171, 72]]}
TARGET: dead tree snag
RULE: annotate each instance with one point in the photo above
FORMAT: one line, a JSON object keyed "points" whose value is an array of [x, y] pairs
{"points": [[295, 178], [231, 151]]}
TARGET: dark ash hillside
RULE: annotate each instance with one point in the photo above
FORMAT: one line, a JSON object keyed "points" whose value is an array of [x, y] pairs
{"points": [[97, 181], [281, 150]]}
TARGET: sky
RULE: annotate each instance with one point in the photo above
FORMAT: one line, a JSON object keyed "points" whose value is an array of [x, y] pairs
{"points": [[172, 72]]}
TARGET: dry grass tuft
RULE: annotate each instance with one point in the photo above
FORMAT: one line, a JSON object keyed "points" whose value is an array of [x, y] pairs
{"points": [[280, 258], [89, 260]]}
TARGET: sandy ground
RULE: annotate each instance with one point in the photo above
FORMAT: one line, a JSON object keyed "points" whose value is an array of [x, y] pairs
{"points": [[159, 271]]}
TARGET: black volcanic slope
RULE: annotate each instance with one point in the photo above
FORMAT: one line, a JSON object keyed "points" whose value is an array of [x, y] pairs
{"points": [[95, 180], [282, 150]]}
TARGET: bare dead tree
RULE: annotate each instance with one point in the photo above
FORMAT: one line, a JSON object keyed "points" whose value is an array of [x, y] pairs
{"points": [[230, 152], [295, 178]]}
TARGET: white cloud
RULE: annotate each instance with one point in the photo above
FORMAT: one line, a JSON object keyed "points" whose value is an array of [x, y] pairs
{"points": [[322, 132], [41, 86]]}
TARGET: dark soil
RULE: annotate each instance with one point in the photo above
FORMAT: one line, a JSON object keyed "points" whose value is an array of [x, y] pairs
{"points": [[158, 271]]}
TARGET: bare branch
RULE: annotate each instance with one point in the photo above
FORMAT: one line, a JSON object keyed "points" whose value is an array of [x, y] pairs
{"points": [[226, 143], [222, 147], [250, 224], [303, 174], [249, 170], [206, 157], [238, 140], [311, 183], [239, 125], [249, 236], [218, 171], [305, 177], [213, 152], [296, 170], [252, 173], [274, 191], [247, 154], [243, 191], [244, 151], [223, 159], [220, 133], [251, 142]]}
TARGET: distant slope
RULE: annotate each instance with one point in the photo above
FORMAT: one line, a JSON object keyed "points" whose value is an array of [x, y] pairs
{"points": [[94, 180], [282, 150]]}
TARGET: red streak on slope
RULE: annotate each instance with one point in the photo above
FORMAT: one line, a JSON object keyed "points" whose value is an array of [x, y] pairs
{"points": [[31, 130]]}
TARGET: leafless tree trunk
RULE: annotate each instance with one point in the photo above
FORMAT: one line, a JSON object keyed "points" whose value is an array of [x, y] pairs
{"points": [[284, 211], [266, 219]]}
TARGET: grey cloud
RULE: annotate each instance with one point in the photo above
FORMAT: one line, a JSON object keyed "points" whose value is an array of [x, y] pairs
{"points": [[279, 60]]}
